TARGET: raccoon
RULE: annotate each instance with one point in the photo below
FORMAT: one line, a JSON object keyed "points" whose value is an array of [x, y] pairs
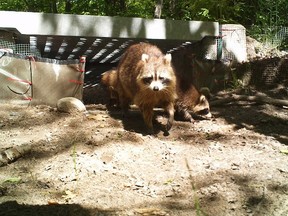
{"points": [[146, 78], [191, 100], [109, 80]]}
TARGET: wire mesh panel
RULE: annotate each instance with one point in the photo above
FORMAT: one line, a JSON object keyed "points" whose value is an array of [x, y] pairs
{"points": [[7, 46], [27, 50], [264, 73], [234, 42], [21, 49], [281, 38]]}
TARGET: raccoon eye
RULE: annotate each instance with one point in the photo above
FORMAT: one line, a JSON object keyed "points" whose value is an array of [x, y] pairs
{"points": [[203, 112], [147, 80], [164, 80]]}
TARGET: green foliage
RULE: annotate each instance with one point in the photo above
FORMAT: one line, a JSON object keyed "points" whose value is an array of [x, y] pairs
{"points": [[262, 18], [269, 19], [11, 5], [265, 13], [136, 8]]}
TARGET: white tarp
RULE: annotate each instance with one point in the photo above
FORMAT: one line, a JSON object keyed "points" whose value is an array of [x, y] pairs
{"points": [[25, 80]]}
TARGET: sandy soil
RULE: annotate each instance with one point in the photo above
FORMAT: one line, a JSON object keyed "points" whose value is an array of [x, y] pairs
{"points": [[98, 164]]}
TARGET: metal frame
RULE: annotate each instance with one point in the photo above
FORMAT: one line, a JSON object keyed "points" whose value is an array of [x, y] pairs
{"points": [[101, 39]]}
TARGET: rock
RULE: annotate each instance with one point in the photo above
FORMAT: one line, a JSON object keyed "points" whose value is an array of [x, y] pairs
{"points": [[70, 105]]}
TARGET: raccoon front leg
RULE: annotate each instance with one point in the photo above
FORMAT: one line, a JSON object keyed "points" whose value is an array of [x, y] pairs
{"points": [[147, 113], [124, 103], [184, 113], [187, 116], [170, 111]]}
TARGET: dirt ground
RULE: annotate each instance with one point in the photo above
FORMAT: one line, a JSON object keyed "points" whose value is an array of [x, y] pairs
{"points": [[98, 164]]}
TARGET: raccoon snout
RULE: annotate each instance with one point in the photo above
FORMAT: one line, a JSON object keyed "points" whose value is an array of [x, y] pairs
{"points": [[155, 88], [206, 113]]}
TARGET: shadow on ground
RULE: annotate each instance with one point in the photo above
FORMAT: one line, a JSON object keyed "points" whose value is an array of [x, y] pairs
{"points": [[12, 208], [255, 118]]}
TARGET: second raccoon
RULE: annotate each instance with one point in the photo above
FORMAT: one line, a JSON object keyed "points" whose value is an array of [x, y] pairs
{"points": [[191, 100]]}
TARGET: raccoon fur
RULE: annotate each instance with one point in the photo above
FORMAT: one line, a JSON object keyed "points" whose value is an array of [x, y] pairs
{"points": [[146, 78], [109, 80], [190, 100]]}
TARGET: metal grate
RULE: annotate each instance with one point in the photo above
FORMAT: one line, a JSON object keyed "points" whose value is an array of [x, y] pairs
{"points": [[271, 37], [264, 73], [281, 38], [7, 46], [21, 49], [233, 43], [27, 50]]}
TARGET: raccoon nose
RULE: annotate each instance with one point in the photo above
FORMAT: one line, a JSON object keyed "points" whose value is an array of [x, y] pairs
{"points": [[155, 88]]}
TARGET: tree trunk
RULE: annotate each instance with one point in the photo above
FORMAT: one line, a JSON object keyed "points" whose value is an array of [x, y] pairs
{"points": [[53, 6], [158, 9], [122, 5], [172, 6], [68, 6], [30, 7]]}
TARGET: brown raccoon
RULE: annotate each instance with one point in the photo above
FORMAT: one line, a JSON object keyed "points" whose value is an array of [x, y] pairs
{"points": [[191, 100], [146, 78], [109, 80]]}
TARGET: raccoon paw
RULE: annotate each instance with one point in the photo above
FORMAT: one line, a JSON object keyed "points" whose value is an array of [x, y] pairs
{"points": [[168, 126], [125, 113], [188, 117], [191, 120], [151, 131]]}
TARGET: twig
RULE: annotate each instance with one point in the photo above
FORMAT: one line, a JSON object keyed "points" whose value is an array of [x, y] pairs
{"points": [[12, 154]]}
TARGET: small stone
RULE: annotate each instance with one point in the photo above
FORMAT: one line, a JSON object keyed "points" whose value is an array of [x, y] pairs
{"points": [[249, 211], [139, 184], [235, 166]]}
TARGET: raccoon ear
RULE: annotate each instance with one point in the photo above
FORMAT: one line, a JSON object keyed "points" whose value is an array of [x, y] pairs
{"points": [[167, 58], [202, 99], [206, 92], [144, 57]]}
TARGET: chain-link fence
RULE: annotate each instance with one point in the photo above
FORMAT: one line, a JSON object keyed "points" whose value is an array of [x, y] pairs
{"points": [[273, 36], [281, 38]]}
